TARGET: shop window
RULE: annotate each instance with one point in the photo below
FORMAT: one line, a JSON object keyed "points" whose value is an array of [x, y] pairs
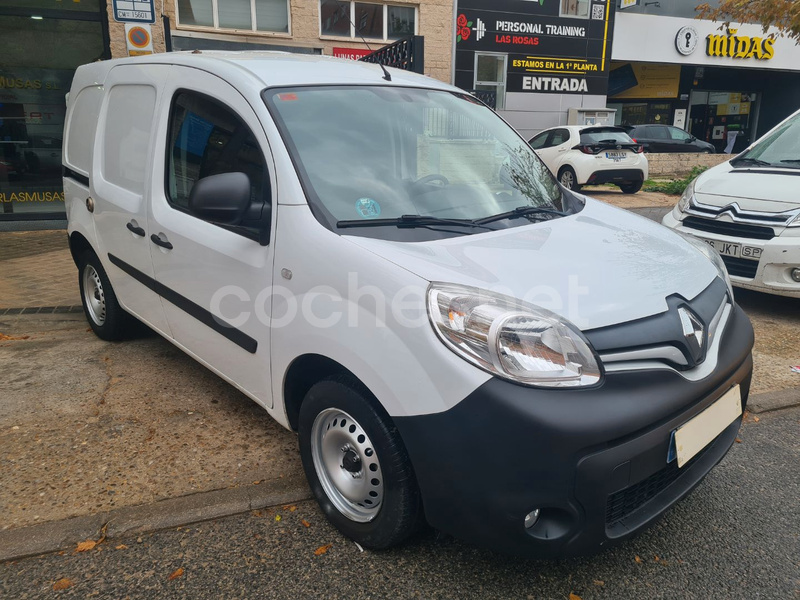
{"points": [[372, 21], [490, 76], [206, 138], [270, 15], [575, 8]]}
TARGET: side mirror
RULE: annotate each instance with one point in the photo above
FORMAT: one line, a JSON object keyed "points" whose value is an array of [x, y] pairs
{"points": [[222, 198], [691, 139]]}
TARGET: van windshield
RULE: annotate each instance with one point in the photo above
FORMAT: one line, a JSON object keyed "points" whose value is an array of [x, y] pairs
{"points": [[781, 148], [368, 155]]}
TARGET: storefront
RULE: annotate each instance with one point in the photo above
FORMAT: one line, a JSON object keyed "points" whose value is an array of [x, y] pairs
{"points": [[536, 60], [43, 42], [724, 86]]}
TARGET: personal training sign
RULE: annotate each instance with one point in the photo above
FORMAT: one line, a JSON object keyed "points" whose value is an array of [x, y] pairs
{"points": [[552, 46]]}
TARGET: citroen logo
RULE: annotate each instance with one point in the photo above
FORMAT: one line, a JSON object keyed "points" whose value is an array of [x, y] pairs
{"points": [[693, 331]]}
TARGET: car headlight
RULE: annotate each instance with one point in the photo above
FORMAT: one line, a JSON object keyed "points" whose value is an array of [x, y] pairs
{"points": [[511, 339], [686, 197], [713, 256]]}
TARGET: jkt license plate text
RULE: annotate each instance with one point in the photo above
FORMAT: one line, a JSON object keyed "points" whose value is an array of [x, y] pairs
{"points": [[696, 434]]}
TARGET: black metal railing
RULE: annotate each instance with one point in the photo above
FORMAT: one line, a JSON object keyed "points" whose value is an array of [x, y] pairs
{"points": [[407, 54], [487, 97]]}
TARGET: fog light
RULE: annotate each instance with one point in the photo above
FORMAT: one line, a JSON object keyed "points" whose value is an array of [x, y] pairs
{"points": [[796, 275], [531, 518]]}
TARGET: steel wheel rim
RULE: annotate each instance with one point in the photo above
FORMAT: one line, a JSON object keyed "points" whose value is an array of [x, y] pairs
{"points": [[347, 465], [93, 295], [567, 179]]}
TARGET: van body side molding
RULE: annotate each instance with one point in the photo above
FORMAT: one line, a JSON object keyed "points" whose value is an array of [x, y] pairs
{"points": [[206, 317]]}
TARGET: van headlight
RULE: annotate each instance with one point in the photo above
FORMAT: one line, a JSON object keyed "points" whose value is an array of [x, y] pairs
{"points": [[713, 256], [511, 339], [687, 196]]}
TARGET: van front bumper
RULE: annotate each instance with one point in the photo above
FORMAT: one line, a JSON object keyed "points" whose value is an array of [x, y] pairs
{"points": [[593, 461]]}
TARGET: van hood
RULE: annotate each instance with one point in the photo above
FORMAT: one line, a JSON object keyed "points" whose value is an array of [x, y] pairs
{"points": [[773, 190], [599, 267]]}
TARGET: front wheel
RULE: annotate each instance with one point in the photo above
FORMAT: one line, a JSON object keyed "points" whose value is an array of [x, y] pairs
{"points": [[106, 317], [631, 188], [567, 178], [357, 466]]}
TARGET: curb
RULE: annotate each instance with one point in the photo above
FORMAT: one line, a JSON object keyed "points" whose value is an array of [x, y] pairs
{"points": [[175, 512], [772, 401]]}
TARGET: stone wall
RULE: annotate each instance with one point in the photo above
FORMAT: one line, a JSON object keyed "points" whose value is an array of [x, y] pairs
{"points": [[679, 165], [435, 24]]}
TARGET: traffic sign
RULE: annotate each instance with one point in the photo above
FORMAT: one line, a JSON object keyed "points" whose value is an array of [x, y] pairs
{"points": [[134, 11], [139, 39]]}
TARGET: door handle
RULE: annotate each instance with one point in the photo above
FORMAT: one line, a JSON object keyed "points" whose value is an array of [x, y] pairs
{"points": [[135, 229], [159, 242]]}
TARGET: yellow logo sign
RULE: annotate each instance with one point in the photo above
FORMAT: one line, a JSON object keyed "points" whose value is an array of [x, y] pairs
{"points": [[740, 46]]}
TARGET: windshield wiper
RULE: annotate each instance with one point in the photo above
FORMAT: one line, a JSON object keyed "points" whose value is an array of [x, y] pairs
{"points": [[751, 161], [522, 211], [792, 160], [411, 221]]}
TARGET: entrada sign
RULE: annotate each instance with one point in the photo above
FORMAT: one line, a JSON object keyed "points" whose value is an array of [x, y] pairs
{"points": [[740, 46]]}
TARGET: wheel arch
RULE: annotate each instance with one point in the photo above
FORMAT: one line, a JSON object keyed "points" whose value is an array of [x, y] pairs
{"points": [[78, 244]]}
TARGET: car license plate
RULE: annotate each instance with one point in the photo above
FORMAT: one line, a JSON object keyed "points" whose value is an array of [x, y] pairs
{"points": [[616, 156], [725, 248], [693, 436]]}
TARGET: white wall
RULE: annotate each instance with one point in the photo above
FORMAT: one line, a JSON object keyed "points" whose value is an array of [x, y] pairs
{"points": [[529, 113]]}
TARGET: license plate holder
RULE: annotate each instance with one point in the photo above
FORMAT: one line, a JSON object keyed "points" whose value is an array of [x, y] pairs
{"points": [[697, 433]]}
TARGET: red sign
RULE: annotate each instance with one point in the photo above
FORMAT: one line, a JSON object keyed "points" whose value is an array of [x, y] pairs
{"points": [[350, 53]]}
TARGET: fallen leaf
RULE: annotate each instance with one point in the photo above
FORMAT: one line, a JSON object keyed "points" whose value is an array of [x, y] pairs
{"points": [[256, 482], [638, 559], [305, 523], [323, 549], [756, 419], [277, 517], [122, 547], [86, 546], [599, 582], [656, 558], [738, 440], [175, 574], [290, 507], [4, 337], [574, 596], [62, 584]]}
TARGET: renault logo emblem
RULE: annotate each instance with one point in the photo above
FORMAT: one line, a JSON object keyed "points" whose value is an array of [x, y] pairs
{"points": [[693, 331]]}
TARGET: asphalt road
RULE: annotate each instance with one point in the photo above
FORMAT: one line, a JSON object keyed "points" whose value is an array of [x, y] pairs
{"points": [[736, 536]]}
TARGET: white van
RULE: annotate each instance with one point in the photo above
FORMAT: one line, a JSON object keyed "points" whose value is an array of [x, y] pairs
{"points": [[748, 209], [387, 268]]}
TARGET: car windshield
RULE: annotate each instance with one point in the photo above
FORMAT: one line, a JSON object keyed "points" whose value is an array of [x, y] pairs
{"points": [[781, 148], [374, 153], [605, 136]]}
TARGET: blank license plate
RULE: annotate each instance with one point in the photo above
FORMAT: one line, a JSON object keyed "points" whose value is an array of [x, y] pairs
{"points": [[696, 434]]}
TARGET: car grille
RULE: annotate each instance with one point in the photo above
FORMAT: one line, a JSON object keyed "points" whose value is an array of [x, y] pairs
{"points": [[741, 267], [625, 502], [756, 232]]}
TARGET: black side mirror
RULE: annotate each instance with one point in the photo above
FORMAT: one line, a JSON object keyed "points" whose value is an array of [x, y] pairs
{"points": [[222, 198], [691, 140]]}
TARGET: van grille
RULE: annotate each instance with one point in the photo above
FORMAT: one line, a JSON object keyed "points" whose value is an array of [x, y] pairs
{"points": [[755, 232], [741, 267]]}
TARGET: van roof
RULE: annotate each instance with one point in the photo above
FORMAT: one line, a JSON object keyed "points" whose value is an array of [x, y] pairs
{"points": [[278, 68]]}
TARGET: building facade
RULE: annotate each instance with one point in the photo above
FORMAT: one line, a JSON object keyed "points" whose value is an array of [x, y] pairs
{"points": [[724, 85]]}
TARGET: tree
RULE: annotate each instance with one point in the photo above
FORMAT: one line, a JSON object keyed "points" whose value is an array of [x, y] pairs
{"points": [[781, 14]]}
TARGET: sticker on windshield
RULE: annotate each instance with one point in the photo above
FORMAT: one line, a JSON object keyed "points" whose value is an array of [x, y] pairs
{"points": [[368, 208]]}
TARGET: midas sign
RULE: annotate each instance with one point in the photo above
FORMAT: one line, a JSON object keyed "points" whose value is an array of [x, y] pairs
{"points": [[740, 46]]}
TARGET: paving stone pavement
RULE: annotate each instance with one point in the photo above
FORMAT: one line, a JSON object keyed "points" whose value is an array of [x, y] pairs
{"points": [[36, 270]]}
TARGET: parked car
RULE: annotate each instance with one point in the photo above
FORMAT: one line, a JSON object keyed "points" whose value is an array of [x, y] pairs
{"points": [[667, 138], [592, 155], [748, 209], [517, 364]]}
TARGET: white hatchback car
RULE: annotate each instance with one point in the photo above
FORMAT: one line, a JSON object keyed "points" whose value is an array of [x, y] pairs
{"points": [[453, 335], [749, 210], [592, 155]]}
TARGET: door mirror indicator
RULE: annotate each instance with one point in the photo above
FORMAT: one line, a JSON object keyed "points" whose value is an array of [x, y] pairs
{"points": [[222, 198]]}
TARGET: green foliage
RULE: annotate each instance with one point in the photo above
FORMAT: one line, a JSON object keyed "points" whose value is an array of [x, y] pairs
{"points": [[783, 14], [673, 187]]}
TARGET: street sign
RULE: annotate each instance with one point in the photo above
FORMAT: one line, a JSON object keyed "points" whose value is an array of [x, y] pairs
{"points": [[139, 39], [134, 11]]}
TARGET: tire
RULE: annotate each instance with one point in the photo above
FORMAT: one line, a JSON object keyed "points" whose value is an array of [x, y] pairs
{"points": [[364, 459], [106, 317], [631, 188], [567, 178]]}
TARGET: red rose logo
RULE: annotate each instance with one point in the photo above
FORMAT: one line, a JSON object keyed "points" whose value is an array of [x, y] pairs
{"points": [[462, 21], [463, 28], [465, 33]]}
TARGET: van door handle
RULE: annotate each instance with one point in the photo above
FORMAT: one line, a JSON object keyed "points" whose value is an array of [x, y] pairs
{"points": [[135, 229], [159, 242]]}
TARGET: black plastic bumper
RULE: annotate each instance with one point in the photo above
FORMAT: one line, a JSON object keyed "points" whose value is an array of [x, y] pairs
{"points": [[594, 461], [616, 176]]}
